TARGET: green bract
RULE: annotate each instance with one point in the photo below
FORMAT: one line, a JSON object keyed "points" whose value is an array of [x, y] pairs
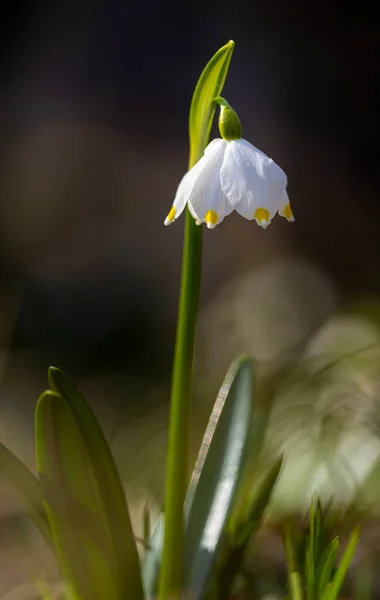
{"points": [[202, 109]]}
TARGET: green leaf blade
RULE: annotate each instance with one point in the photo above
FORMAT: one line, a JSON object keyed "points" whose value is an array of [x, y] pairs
{"points": [[202, 110], [71, 502], [108, 483], [27, 488], [213, 489], [326, 566], [310, 557], [291, 553], [209, 451], [150, 568], [244, 521], [250, 514], [333, 590]]}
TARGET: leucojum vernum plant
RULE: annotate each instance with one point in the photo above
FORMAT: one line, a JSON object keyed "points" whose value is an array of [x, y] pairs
{"points": [[198, 549]]}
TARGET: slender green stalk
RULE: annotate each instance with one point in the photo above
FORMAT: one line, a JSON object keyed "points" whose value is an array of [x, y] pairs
{"points": [[202, 109], [178, 451]]}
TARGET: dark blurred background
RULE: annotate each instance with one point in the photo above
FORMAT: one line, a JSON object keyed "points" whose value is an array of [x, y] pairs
{"points": [[93, 110], [94, 99]]}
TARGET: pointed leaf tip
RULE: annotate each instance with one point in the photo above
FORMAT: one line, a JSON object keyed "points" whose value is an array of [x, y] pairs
{"points": [[55, 375], [210, 84], [52, 370], [107, 491], [72, 503]]}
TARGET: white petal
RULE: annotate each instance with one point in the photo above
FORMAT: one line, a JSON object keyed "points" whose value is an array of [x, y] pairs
{"points": [[207, 201], [214, 144], [285, 208], [213, 211], [251, 180], [183, 191], [189, 179]]}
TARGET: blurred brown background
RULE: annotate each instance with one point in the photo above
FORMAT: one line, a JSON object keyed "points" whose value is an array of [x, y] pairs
{"points": [[94, 99]]}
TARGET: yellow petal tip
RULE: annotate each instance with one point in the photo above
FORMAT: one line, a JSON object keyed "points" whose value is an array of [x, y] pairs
{"points": [[171, 216], [287, 213], [211, 219], [262, 217]]}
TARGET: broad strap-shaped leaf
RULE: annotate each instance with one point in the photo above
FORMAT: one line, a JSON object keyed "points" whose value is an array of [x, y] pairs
{"points": [[152, 559], [210, 84], [108, 484], [27, 490], [72, 503], [216, 478], [219, 405]]}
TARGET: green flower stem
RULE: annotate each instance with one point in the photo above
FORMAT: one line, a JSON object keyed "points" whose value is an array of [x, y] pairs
{"points": [[178, 451], [202, 109]]}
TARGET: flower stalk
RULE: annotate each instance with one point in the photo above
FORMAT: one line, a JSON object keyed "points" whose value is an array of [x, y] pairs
{"points": [[178, 450], [210, 85]]}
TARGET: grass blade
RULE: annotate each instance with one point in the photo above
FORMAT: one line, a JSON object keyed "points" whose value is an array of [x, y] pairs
{"points": [[249, 516], [326, 567], [295, 583], [333, 591]]}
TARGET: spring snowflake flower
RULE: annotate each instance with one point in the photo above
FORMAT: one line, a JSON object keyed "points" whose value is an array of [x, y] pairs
{"points": [[232, 175]]}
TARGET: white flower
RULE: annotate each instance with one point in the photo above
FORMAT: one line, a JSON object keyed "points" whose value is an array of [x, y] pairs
{"points": [[232, 175]]}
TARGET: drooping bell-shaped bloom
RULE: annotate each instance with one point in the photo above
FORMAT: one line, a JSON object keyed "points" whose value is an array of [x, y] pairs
{"points": [[232, 175]]}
